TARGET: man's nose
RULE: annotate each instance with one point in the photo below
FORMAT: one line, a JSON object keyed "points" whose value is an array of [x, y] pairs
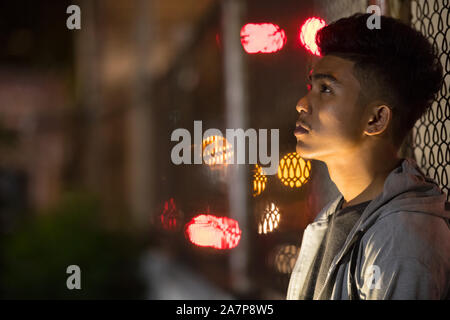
{"points": [[302, 105]]}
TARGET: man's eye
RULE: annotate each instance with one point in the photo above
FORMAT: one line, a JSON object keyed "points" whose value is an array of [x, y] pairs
{"points": [[325, 89]]}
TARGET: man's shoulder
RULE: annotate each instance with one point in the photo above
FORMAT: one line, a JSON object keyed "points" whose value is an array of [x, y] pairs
{"points": [[418, 235]]}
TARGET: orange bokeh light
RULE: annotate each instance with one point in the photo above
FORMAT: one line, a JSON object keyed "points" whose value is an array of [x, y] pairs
{"points": [[293, 170]]}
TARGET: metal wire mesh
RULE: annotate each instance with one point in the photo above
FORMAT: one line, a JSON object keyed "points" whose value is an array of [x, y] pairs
{"points": [[430, 141]]}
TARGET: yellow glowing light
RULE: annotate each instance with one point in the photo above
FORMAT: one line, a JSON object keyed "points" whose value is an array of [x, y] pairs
{"points": [[270, 219], [216, 150], [293, 170], [259, 181]]}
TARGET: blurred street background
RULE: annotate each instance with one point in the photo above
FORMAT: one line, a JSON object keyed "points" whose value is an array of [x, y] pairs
{"points": [[86, 117]]}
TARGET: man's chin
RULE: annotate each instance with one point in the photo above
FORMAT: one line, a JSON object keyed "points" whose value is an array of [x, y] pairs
{"points": [[303, 151]]}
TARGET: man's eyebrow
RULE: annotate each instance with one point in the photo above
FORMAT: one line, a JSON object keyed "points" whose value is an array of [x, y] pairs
{"points": [[318, 76]]}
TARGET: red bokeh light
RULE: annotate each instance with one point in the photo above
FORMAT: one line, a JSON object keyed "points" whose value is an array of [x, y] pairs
{"points": [[308, 33], [170, 216], [206, 230], [262, 38]]}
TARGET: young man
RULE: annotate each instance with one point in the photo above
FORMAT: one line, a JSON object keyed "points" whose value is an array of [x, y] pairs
{"points": [[387, 235]]}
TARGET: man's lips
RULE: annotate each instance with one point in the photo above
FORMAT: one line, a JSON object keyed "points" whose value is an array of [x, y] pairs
{"points": [[300, 129]]}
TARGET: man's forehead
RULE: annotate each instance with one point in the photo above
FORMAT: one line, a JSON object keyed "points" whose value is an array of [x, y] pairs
{"points": [[339, 68]]}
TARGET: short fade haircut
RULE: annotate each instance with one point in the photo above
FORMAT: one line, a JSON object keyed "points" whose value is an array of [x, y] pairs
{"points": [[395, 65]]}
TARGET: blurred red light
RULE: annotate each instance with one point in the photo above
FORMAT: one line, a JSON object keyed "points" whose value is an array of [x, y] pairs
{"points": [[170, 216], [262, 38], [206, 230], [308, 33]]}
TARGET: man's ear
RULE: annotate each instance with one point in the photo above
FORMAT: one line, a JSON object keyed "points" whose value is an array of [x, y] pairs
{"points": [[379, 120]]}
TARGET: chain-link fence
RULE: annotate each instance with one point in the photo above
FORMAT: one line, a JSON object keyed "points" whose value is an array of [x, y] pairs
{"points": [[430, 142]]}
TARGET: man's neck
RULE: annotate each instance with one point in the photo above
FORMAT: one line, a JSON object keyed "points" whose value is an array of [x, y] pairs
{"points": [[361, 177]]}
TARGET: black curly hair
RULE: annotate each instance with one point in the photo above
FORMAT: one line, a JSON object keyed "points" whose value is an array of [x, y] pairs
{"points": [[394, 64]]}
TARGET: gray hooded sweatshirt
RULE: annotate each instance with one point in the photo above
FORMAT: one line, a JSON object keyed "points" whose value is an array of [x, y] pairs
{"points": [[398, 249]]}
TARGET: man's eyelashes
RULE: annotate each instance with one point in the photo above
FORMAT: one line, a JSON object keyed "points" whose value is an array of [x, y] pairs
{"points": [[323, 88]]}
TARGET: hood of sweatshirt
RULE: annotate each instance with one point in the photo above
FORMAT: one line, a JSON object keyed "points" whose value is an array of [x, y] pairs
{"points": [[406, 189]]}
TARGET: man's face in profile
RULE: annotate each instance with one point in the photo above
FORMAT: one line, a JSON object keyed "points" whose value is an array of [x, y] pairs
{"points": [[330, 112]]}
